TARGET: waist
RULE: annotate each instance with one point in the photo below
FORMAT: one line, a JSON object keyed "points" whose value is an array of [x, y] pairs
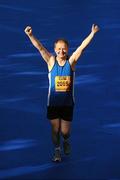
{"points": [[60, 99]]}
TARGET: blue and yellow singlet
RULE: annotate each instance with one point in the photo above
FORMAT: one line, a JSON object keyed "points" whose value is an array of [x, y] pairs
{"points": [[61, 85]]}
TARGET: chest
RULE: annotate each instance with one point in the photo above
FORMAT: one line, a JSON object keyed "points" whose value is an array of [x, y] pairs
{"points": [[64, 70]]}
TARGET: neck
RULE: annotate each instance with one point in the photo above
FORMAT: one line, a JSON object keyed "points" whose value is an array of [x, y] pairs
{"points": [[61, 59]]}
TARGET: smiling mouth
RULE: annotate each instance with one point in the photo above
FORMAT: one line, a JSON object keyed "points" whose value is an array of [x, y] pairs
{"points": [[64, 53]]}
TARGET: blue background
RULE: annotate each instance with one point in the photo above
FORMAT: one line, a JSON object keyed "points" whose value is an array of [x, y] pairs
{"points": [[25, 139]]}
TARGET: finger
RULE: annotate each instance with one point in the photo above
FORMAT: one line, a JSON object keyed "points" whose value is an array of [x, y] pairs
{"points": [[97, 27], [29, 28]]}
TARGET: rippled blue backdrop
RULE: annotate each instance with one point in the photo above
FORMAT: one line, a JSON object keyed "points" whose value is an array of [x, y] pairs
{"points": [[25, 141]]}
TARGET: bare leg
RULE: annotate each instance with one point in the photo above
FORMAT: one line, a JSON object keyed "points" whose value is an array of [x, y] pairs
{"points": [[65, 130], [55, 127]]}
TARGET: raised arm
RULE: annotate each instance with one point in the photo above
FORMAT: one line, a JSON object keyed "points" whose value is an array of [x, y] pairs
{"points": [[43, 51], [75, 56]]}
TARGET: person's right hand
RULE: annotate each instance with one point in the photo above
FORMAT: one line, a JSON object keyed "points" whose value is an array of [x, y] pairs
{"points": [[28, 30]]}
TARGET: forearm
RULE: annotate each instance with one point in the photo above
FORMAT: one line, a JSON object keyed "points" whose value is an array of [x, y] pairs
{"points": [[75, 56], [87, 41], [35, 42], [84, 44], [43, 51]]}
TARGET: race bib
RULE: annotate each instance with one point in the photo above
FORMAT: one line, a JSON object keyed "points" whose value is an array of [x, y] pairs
{"points": [[62, 83]]}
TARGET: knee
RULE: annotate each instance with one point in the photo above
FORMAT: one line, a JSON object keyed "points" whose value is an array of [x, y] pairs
{"points": [[65, 134], [55, 125], [55, 129]]}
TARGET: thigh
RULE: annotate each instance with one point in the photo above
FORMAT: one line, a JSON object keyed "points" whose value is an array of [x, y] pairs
{"points": [[55, 124]]}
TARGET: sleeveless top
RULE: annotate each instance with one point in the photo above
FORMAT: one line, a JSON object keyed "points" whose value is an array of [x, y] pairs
{"points": [[61, 85]]}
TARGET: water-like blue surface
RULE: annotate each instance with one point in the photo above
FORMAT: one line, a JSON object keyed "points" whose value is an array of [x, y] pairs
{"points": [[25, 141]]}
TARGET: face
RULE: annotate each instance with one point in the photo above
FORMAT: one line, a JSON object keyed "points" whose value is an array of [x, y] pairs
{"points": [[61, 49]]}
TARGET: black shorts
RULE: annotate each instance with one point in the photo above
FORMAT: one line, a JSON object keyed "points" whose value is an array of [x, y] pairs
{"points": [[62, 112]]}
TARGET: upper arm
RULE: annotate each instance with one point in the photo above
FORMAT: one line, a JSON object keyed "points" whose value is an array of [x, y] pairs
{"points": [[76, 55], [45, 54], [51, 62]]}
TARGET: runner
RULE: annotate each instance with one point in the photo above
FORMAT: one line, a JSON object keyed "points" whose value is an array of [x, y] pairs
{"points": [[61, 74]]}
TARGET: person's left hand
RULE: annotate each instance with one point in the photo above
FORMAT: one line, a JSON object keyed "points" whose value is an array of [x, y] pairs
{"points": [[95, 28]]}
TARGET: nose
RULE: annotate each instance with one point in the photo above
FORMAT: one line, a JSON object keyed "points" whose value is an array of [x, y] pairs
{"points": [[62, 50]]}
